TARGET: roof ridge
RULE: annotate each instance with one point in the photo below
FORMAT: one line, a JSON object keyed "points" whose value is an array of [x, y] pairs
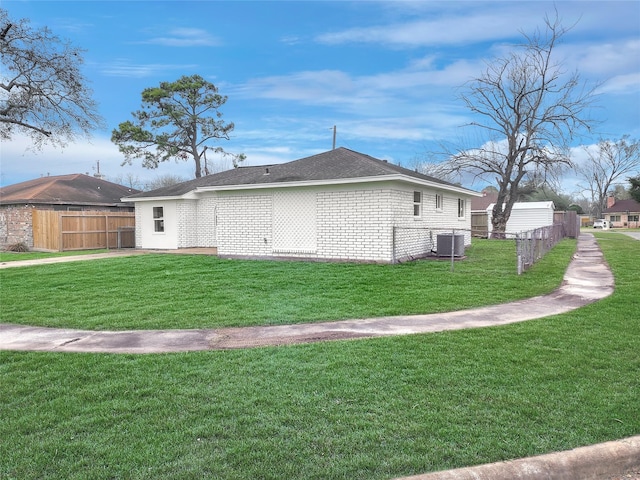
{"points": [[46, 185]]}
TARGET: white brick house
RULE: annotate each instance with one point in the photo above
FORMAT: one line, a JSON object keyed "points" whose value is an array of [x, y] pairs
{"points": [[337, 205]]}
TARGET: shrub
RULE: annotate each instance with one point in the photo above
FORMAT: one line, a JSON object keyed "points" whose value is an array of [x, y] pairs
{"points": [[17, 247]]}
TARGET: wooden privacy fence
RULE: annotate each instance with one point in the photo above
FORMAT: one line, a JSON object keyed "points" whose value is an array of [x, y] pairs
{"points": [[62, 231], [571, 222], [480, 224]]}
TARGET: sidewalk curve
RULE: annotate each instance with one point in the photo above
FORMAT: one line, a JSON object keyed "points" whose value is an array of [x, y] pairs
{"points": [[72, 258], [597, 462], [586, 280]]}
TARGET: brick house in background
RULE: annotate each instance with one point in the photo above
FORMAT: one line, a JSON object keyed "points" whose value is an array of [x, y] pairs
{"points": [[76, 192], [622, 213], [336, 205]]}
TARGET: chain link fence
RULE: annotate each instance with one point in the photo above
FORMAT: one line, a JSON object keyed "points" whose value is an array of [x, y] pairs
{"points": [[412, 243], [532, 245]]}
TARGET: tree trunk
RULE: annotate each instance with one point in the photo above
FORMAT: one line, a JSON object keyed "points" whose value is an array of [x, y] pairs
{"points": [[196, 158], [499, 224]]}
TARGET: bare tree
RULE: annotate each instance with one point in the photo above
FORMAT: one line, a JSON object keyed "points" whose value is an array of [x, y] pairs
{"points": [[607, 162], [129, 179], [42, 91], [162, 181], [634, 188], [440, 170], [530, 109], [179, 120]]}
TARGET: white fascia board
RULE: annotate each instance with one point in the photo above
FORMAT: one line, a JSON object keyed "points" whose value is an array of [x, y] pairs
{"points": [[340, 181], [153, 199]]}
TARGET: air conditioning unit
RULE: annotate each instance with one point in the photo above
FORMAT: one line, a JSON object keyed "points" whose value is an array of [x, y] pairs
{"points": [[445, 244]]}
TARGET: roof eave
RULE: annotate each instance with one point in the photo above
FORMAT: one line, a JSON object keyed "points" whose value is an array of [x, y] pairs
{"points": [[339, 181], [192, 194]]}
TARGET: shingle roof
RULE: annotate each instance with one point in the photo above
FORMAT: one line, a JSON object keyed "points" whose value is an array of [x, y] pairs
{"points": [[622, 206], [74, 189], [337, 164], [481, 203]]}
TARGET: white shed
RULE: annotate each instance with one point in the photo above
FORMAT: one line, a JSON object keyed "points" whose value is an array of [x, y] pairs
{"points": [[526, 216]]}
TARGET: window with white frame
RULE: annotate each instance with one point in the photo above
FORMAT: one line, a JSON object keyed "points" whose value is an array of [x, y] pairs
{"points": [[158, 219], [417, 204], [461, 208], [438, 202]]}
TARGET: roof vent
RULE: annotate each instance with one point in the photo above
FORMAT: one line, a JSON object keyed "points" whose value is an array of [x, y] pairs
{"points": [[266, 171]]}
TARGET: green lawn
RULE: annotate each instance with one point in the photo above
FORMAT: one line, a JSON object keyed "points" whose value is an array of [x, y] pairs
{"points": [[193, 291], [17, 256], [365, 409]]}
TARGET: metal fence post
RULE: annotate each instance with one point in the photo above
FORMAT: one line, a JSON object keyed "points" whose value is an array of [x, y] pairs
{"points": [[518, 254], [393, 244], [453, 238]]}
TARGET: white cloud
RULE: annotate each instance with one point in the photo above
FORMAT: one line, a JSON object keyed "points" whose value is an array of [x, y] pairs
{"points": [[320, 86], [622, 84], [291, 40], [186, 37], [269, 155], [603, 58], [123, 68], [333, 87], [449, 29]]}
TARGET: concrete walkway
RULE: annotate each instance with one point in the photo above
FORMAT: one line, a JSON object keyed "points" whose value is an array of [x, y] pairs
{"points": [[616, 460], [110, 254], [586, 280], [635, 235]]}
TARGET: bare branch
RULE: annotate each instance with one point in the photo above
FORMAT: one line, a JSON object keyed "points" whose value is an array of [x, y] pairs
{"points": [[530, 109], [44, 94]]}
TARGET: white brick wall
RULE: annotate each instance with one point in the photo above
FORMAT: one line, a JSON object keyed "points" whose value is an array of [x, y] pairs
{"points": [[207, 218], [187, 219], [140, 218], [355, 224], [417, 236], [244, 223]]}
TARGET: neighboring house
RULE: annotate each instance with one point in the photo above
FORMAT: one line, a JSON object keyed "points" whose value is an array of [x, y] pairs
{"points": [[479, 217], [340, 205], [622, 213], [526, 216], [75, 192]]}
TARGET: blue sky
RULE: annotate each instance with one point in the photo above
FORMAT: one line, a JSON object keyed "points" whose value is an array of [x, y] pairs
{"points": [[385, 73]]}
